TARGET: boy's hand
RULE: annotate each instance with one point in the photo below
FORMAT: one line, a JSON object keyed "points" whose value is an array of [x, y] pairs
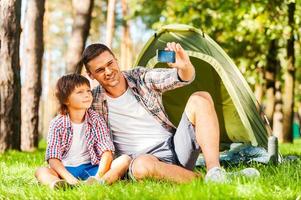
{"points": [[72, 180], [100, 173], [59, 168]]}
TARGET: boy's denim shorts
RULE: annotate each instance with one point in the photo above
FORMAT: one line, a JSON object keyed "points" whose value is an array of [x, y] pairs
{"points": [[82, 172]]}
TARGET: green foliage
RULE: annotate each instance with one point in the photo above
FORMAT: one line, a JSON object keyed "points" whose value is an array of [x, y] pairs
{"points": [[148, 11], [276, 182], [243, 28]]}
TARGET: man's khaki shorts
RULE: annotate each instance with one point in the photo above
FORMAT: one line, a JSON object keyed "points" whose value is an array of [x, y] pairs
{"points": [[181, 148]]}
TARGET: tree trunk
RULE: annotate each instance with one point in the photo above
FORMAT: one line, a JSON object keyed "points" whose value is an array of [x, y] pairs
{"points": [[270, 77], [126, 55], [10, 86], [48, 102], [278, 115], [31, 90], [288, 97], [110, 22], [80, 32]]}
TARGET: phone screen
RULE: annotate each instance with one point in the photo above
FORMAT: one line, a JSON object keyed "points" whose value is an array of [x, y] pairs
{"points": [[166, 56]]}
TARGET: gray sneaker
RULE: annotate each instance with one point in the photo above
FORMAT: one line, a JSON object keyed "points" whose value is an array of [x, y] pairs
{"points": [[216, 175], [219, 175]]}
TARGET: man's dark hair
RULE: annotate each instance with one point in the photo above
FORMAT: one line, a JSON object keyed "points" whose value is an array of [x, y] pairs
{"points": [[93, 51], [65, 86]]}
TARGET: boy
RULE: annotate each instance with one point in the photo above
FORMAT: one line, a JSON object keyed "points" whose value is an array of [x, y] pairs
{"points": [[79, 144]]}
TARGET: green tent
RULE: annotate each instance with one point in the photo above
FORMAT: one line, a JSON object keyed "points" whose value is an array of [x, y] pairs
{"points": [[216, 73]]}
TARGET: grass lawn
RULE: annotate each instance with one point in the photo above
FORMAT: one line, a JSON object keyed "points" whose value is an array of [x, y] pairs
{"points": [[276, 182]]}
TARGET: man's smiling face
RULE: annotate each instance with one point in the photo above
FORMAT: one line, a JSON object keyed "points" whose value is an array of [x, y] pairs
{"points": [[104, 68]]}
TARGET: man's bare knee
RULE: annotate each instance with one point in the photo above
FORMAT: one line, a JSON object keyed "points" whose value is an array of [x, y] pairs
{"points": [[144, 166], [202, 95], [199, 103]]}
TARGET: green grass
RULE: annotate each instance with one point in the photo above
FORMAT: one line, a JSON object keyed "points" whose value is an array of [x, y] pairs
{"points": [[276, 182]]}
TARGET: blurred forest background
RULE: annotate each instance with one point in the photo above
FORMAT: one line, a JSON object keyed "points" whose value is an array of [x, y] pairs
{"points": [[41, 40]]}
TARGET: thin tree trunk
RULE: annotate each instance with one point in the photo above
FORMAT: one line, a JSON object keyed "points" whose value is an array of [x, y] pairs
{"points": [[31, 91], [288, 97], [10, 86], [126, 55], [270, 77], [278, 115], [80, 32], [48, 104], [110, 22]]}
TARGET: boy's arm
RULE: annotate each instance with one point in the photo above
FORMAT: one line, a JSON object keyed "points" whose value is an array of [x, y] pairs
{"points": [[105, 163], [59, 168], [104, 143], [54, 152]]}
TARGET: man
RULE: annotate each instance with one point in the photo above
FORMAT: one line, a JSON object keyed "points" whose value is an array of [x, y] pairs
{"points": [[132, 106]]}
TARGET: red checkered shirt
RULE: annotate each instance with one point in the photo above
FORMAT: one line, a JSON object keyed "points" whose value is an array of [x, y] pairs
{"points": [[96, 133], [147, 86]]}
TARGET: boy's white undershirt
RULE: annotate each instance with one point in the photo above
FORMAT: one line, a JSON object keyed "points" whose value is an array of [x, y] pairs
{"points": [[78, 153]]}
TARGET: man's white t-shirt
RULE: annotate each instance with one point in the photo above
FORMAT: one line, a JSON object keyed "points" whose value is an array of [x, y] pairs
{"points": [[134, 129], [78, 153]]}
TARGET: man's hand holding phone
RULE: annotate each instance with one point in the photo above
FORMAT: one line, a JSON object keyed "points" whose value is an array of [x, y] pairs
{"points": [[175, 52]]}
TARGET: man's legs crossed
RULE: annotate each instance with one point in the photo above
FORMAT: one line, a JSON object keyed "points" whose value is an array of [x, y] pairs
{"points": [[200, 113]]}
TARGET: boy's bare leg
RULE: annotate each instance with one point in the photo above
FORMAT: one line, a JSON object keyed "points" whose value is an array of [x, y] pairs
{"points": [[118, 168], [201, 113], [46, 176], [148, 166]]}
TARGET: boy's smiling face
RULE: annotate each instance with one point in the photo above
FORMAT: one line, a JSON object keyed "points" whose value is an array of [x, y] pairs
{"points": [[80, 98]]}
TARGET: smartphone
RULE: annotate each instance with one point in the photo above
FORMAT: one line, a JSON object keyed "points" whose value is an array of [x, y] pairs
{"points": [[166, 56]]}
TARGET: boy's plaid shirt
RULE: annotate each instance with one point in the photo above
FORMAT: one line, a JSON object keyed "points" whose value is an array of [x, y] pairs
{"points": [[147, 86], [96, 133]]}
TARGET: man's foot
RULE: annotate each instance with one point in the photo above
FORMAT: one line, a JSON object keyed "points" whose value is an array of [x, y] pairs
{"points": [[219, 175], [60, 184], [216, 175], [94, 180]]}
